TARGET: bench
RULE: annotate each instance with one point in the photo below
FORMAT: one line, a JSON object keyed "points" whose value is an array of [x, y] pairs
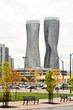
{"points": [[30, 98], [65, 97]]}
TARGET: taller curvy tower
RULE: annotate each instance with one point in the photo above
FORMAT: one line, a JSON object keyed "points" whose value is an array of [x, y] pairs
{"points": [[51, 34], [32, 51]]}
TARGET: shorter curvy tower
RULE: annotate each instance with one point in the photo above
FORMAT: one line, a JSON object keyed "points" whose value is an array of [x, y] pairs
{"points": [[51, 34], [32, 51]]}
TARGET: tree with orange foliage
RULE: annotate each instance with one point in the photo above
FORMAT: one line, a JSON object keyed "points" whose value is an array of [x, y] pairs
{"points": [[56, 74], [15, 78], [32, 77], [9, 77], [36, 77]]}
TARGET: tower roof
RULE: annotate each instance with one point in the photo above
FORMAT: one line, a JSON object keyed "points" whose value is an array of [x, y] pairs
{"points": [[32, 21], [51, 18]]}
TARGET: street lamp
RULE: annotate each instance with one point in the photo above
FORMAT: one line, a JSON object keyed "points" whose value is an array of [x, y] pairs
{"points": [[70, 66], [24, 61], [62, 69], [62, 64], [24, 64]]}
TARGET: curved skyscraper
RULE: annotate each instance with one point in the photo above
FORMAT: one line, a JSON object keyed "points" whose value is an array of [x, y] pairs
{"points": [[51, 34], [32, 51]]}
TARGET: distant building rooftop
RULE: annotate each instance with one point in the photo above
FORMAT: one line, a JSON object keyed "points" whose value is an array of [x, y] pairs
{"points": [[51, 18], [32, 21]]}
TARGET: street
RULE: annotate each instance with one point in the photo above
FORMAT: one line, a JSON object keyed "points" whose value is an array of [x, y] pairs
{"points": [[56, 108], [39, 90]]}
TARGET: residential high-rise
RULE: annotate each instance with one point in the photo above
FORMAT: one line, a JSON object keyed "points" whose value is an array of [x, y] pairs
{"points": [[2, 53], [32, 51], [51, 34], [9, 60], [7, 54], [12, 62]]}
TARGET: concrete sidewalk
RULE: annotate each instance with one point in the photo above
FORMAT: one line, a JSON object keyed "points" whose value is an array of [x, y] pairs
{"points": [[43, 103]]}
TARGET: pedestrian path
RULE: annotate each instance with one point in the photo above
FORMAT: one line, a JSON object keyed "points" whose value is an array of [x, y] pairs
{"points": [[43, 103]]}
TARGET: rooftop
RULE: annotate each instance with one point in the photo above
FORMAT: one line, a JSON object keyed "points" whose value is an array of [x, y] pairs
{"points": [[51, 18], [32, 21]]}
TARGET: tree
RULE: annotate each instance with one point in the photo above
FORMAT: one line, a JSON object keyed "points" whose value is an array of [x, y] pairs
{"points": [[5, 81], [15, 78], [56, 75], [30, 78], [33, 77], [71, 83], [36, 78], [9, 77], [51, 84]]}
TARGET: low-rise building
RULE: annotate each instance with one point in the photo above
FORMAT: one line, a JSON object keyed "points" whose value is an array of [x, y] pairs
{"points": [[41, 71]]}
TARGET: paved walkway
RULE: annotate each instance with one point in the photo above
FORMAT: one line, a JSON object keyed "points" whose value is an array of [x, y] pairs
{"points": [[43, 103]]}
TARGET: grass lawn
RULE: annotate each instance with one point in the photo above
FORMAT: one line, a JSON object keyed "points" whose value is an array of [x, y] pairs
{"points": [[19, 96], [37, 95]]}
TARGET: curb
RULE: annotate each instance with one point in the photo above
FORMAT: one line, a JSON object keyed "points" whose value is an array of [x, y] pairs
{"points": [[47, 106], [40, 106]]}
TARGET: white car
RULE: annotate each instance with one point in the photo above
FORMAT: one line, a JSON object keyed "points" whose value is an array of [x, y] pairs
{"points": [[0, 86], [59, 86]]}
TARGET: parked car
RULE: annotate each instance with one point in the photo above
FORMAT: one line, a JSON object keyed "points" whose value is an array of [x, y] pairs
{"points": [[62, 85], [65, 86], [58, 86], [22, 85], [44, 86], [0, 86], [31, 87], [16, 87]]}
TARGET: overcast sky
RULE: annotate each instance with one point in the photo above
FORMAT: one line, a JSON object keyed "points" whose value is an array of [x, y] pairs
{"points": [[13, 17]]}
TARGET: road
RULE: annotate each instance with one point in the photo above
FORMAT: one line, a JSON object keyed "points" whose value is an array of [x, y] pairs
{"points": [[56, 108], [40, 90]]}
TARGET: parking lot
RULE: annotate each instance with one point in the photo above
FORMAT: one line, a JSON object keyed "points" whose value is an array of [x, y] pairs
{"points": [[41, 87]]}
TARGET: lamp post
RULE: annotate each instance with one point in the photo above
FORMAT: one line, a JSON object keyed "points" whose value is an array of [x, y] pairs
{"points": [[70, 66], [24, 63], [62, 63], [62, 69]]}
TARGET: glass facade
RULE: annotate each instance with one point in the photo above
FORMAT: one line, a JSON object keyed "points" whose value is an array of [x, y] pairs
{"points": [[0, 60], [51, 34], [0, 54], [32, 59], [6, 54]]}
